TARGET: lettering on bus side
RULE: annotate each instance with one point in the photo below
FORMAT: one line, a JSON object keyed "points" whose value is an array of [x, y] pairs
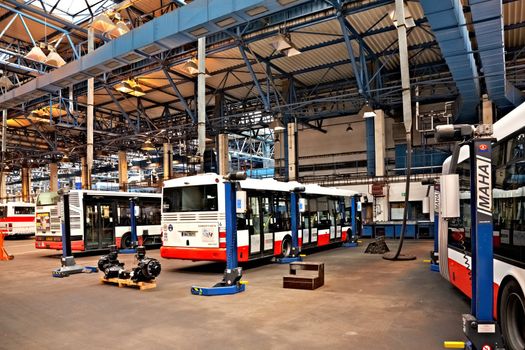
{"points": [[483, 179]]}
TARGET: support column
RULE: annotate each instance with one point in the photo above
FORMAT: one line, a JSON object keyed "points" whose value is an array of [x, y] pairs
{"points": [[487, 110], [122, 171], [380, 142], [224, 159], [3, 187], [84, 174], [26, 184], [292, 153], [370, 147], [53, 177], [90, 114], [201, 100], [168, 161]]}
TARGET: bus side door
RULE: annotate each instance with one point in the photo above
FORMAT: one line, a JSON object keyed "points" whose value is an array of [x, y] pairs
{"points": [[100, 225], [254, 217]]}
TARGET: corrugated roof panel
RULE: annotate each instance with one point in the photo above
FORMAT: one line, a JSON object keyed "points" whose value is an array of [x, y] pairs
{"points": [[326, 75]]}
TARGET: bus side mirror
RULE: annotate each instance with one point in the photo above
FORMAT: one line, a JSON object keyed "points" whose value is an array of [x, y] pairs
{"points": [[240, 203], [450, 196]]}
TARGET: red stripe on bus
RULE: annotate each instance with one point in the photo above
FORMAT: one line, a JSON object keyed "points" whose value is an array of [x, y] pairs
{"points": [[323, 239], [209, 254], [458, 275], [18, 219], [77, 246]]}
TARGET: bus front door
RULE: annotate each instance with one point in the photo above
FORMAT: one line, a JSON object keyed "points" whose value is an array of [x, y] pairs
{"points": [[255, 227], [99, 226]]}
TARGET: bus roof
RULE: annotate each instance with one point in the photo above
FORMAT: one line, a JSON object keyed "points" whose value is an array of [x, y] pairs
{"points": [[504, 127], [114, 193], [258, 184]]}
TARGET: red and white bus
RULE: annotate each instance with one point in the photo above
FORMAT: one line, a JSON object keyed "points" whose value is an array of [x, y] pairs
{"points": [[508, 169], [194, 219], [98, 219], [17, 219]]}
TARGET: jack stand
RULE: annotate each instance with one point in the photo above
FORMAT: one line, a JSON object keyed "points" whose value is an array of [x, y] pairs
{"points": [[294, 256], [69, 267], [230, 284]]}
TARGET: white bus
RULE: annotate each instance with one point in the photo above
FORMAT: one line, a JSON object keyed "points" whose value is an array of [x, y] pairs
{"points": [[98, 219], [194, 219], [508, 169], [17, 219]]}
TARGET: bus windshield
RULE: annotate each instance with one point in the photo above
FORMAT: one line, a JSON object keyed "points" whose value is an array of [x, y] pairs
{"points": [[191, 198], [47, 198]]}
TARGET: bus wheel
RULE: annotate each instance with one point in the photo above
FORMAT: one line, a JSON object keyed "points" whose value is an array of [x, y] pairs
{"points": [[125, 241], [286, 247], [512, 316]]}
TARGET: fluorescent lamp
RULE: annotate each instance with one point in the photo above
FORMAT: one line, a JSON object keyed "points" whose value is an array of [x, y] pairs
{"points": [[36, 54]]}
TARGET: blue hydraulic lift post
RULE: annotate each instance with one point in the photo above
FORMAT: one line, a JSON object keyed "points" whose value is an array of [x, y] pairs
{"points": [[434, 258], [352, 240], [294, 213], [231, 283]]}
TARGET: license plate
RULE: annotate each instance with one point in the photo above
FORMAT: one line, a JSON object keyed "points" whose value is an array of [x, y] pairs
{"points": [[188, 233]]}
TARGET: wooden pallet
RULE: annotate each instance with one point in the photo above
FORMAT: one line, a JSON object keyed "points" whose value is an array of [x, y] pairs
{"points": [[129, 283], [312, 279]]}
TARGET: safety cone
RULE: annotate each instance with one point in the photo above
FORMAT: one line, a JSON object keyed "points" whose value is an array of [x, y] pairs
{"points": [[3, 253]]}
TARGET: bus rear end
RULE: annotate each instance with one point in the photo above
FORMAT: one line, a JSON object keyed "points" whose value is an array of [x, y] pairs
{"points": [[193, 224], [17, 219], [47, 222]]}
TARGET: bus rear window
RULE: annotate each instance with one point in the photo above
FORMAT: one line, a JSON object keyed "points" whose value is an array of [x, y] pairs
{"points": [[47, 198], [24, 210], [3, 212], [191, 198]]}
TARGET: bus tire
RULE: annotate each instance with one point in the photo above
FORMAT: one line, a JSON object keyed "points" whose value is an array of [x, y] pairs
{"points": [[512, 316], [286, 247], [125, 241]]}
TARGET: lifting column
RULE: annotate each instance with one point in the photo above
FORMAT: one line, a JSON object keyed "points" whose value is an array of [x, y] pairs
{"points": [[53, 177], [122, 171]]}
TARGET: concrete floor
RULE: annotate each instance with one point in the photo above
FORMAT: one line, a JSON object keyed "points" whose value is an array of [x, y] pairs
{"points": [[366, 303]]}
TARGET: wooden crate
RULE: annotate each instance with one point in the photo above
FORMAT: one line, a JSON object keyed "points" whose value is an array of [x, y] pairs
{"points": [[310, 278]]}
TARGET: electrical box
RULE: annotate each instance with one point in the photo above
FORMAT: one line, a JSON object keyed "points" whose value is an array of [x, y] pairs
{"points": [[450, 196], [240, 205], [302, 205]]}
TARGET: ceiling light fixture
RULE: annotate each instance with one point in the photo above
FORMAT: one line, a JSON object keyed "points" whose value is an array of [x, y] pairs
{"points": [[54, 59], [191, 66], [36, 54], [283, 43], [137, 91], [147, 146], [5, 82], [103, 23]]}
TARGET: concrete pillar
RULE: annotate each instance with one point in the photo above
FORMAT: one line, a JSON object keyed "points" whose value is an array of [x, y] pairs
{"points": [[168, 161], [53, 177], [370, 147], [380, 142], [86, 177], [26, 184], [122, 171], [292, 153], [90, 114], [487, 110], [224, 159], [3, 187], [201, 100]]}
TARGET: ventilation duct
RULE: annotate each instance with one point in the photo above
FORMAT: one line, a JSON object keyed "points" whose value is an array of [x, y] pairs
{"points": [[448, 24], [488, 26]]}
